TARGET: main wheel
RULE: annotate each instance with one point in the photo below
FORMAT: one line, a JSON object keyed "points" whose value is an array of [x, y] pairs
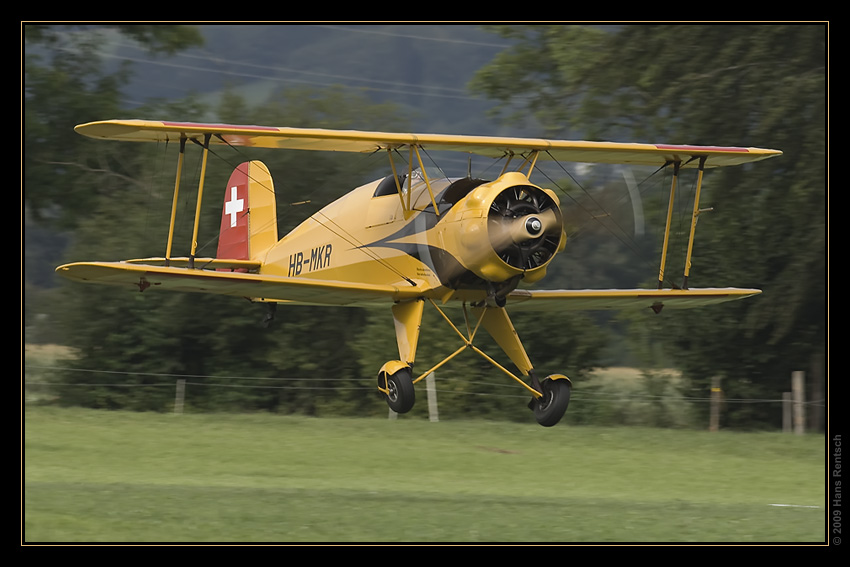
{"points": [[552, 405], [402, 394]]}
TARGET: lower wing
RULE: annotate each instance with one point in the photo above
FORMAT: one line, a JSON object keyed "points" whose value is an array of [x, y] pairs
{"points": [[576, 300], [218, 277]]}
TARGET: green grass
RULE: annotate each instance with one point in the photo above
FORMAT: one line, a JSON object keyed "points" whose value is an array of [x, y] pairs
{"points": [[130, 477]]}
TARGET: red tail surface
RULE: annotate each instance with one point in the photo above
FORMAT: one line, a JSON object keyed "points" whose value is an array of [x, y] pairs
{"points": [[248, 216]]}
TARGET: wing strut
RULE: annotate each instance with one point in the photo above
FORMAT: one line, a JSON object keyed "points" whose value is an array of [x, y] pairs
{"points": [[174, 199], [508, 161], [531, 161], [427, 181], [695, 216], [669, 219], [200, 197], [406, 206], [694, 222]]}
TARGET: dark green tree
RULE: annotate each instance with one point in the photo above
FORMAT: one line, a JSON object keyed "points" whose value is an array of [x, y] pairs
{"points": [[67, 82], [141, 342], [746, 85]]}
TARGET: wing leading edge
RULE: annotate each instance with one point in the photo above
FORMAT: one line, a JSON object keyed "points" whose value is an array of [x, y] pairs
{"points": [[366, 142]]}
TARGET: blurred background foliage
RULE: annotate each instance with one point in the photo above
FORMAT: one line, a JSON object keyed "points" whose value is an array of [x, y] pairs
{"points": [[747, 85]]}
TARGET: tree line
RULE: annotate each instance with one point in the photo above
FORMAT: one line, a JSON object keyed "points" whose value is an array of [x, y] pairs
{"points": [[760, 85]]}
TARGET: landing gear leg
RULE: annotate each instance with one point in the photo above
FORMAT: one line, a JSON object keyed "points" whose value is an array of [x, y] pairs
{"points": [[395, 379], [551, 396], [548, 407]]}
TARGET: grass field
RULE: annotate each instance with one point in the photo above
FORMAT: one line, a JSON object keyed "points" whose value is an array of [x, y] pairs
{"points": [[94, 477]]}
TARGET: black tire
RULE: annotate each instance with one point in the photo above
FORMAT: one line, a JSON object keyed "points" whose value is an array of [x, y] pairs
{"points": [[402, 394], [550, 407]]}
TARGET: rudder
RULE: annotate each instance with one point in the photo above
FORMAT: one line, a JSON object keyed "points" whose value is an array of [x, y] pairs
{"points": [[249, 215]]}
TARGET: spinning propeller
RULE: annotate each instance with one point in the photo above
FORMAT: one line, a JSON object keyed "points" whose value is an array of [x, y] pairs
{"points": [[524, 225]]}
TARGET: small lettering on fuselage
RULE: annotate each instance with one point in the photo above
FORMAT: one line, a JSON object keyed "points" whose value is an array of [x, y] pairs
{"points": [[315, 259]]}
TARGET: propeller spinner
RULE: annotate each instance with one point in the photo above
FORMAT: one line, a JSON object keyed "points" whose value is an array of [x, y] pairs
{"points": [[524, 225]]}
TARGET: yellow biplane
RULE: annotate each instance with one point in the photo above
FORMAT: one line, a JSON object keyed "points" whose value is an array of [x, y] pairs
{"points": [[407, 240]]}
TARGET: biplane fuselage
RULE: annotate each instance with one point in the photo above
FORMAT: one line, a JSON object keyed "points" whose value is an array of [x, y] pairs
{"points": [[370, 236], [364, 246], [408, 239]]}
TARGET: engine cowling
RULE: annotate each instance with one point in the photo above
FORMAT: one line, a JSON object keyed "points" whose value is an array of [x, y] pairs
{"points": [[507, 228]]}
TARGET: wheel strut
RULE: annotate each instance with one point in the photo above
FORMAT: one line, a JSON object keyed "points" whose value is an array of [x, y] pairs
{"points": [[550, 397]]}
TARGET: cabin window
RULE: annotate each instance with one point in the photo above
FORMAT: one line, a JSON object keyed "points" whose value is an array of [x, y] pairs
{"points": [[387, 186], [460, 189]]}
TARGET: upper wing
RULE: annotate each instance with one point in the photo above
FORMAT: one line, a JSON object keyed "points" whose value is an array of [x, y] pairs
{"points": [[142, 274], [367, 142], [577, 300]]}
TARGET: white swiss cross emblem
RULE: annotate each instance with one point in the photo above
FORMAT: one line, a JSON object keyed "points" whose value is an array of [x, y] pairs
{"points": [[233, 206]]}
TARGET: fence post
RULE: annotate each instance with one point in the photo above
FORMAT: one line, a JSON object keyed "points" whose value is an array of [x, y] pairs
{"points": [[431, 385], [716, 395], [786, 412], [431, 389], [798, 392], [179, 395]]}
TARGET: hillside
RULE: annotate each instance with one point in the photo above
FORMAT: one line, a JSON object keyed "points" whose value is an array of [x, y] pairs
{"points": [[424, 68]]}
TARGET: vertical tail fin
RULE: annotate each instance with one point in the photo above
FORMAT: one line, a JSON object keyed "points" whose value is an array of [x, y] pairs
{"points": [[248, 216]]}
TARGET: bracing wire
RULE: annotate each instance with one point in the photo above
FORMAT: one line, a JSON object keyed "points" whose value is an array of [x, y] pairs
{"points": [[339, 231], [620, 233]]}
